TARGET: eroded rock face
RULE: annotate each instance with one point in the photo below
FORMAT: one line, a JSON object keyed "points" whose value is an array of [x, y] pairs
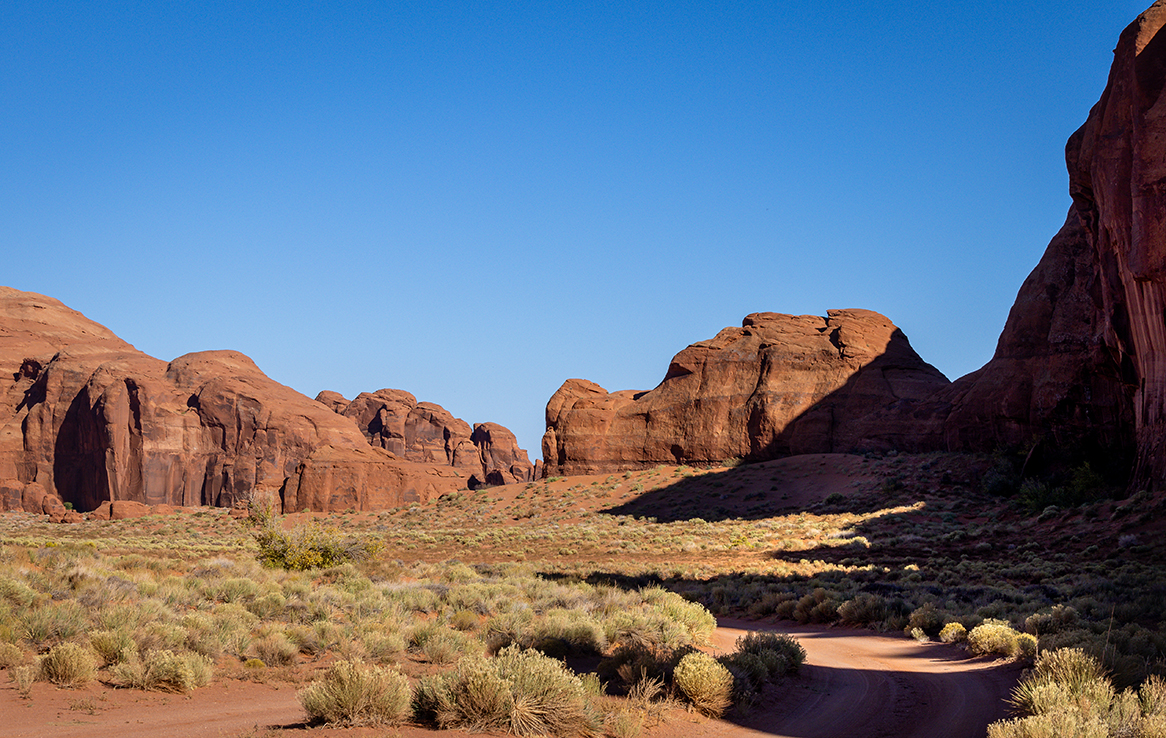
{"points": [[778, 385], [426, 432], [1117, 166], [86, 418]]}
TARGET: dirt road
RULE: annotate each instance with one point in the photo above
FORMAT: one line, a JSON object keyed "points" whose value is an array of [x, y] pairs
{"points": [[860, 685]]}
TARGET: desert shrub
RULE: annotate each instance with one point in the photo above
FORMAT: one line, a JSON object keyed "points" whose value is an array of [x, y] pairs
{"points": [[820, 606], [695, 619], [68, 665], [10, 655], [1068, 693], [1026, 646], [927, 619], [112, 646], [558, 633], [446, 646], [1059, 618], [23, 678], [1152, 696], [520, 691], [384, 647], [623, 723], [275, 649], [355, 693], [863, 609], [1071, 669], [706, 683], [646, 627], [953, 633], [631, 664], [776, 649], [472, 696], [464, 620], [993, 636], [547, 698], [165, 671], [309, 546], [16, 592]]}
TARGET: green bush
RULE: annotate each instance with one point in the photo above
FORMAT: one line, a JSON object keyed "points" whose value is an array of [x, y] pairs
{"points": [[68, 665], [355, 693], [706, 683]]}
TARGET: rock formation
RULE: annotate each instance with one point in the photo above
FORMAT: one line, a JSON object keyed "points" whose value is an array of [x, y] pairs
{"points": [[86, 418], [778, 385], [393, 420]]}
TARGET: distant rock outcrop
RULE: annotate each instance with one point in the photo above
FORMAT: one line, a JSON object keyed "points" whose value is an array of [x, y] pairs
{"points": [[425, 432], [778, 385], [87, 418]]}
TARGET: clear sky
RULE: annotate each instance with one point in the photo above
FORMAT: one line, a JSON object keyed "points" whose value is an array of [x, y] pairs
{"points": [[476, 201]]}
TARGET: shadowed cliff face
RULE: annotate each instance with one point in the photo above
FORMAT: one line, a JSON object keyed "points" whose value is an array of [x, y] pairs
{"points": [[1117, 178]]}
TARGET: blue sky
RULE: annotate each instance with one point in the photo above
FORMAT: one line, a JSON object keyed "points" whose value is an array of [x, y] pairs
{"points": [[474, 202]]}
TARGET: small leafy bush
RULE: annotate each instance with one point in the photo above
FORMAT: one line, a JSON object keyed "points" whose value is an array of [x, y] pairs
{"points": [[706, 683], [355, 693], [68, 665]]}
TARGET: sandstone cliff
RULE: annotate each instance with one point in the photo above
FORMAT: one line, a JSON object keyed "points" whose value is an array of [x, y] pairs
{"points": [[393, 420], [778, 385], [85, 418]]}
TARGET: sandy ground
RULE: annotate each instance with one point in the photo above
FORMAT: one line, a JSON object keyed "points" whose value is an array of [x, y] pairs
{"points": [[855, 684]]}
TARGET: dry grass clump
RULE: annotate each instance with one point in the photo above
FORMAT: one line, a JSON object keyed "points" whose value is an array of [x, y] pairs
{"points": [[1069, 694], [68, 665], [113, 646], [519, 691], [355, 693], [275, 649], [706, 683], [164, 671]]}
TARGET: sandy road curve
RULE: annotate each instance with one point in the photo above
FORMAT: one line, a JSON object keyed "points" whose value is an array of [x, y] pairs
{"points": [[860, 685]]}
